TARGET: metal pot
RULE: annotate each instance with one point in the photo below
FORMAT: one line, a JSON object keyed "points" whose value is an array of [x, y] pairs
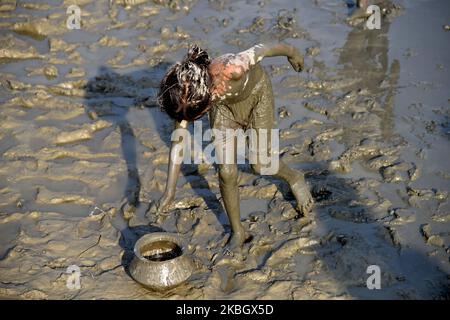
{"points": [[160, 262]]}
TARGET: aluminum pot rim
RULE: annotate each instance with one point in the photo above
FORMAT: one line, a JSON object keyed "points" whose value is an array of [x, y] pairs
{"points": [[158, 236]]}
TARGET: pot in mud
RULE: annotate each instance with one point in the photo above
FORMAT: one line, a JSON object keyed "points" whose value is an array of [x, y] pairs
{"points": [[160, 262]]}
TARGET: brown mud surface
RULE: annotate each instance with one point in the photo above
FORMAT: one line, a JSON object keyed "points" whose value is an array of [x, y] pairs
{"points": [[82, 139]]}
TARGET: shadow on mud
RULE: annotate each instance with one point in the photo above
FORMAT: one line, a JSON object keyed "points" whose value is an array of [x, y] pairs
{"points": [[109, 96]]}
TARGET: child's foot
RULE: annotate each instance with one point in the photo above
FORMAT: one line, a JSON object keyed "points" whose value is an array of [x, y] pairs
{"points": [[303, 196], [232, 253], [236, 242]]}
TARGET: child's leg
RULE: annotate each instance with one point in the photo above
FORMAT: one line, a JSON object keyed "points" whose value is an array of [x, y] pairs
{"points": [[298, 186], [264, 119], [228, 181], [228, 173], [293, 177], [296, 182]]}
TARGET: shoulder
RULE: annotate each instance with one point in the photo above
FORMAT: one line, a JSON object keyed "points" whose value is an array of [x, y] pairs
{"points": [[230, 66]]}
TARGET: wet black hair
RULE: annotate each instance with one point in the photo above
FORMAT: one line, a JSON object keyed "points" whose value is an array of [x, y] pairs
{"points": [[184, 92]]}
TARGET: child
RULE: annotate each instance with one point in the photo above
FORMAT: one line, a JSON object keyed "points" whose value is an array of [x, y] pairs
{"points": [[237, 92]]}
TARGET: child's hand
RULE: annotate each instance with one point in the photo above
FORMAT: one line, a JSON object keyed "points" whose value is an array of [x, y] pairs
{"points": [[160, 206], [297, 62]]}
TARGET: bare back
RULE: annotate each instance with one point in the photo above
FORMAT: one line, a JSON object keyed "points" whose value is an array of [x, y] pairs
{"points": [[234, 76]]}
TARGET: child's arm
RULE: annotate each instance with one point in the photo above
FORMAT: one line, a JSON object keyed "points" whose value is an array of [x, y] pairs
{"points": [[234, 66], [258, 52], [175, 159]]}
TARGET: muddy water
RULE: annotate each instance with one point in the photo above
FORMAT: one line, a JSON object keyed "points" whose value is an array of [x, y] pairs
{"points": [[82, 141]]}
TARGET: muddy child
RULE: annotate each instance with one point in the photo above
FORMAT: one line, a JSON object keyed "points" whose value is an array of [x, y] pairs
{"points": [[237, 93]]}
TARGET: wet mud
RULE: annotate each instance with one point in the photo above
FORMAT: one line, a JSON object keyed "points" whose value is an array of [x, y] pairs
{"points": [[84, 150]]}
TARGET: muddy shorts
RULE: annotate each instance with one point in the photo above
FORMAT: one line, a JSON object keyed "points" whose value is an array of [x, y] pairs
{"points": [[257, 111]]}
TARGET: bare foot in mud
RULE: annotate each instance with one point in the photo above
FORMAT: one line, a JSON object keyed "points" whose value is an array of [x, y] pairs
{"points": [[232, 253], [236, 242], [159, 208], [303, 196]]}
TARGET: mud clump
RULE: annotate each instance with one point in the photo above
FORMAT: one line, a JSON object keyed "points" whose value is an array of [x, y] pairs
{"points": [[40, 28], [14, 48], [8, 5]]}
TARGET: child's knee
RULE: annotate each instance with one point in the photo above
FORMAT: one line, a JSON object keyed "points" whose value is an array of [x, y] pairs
{"points": [[270, 169], [228, 173]]}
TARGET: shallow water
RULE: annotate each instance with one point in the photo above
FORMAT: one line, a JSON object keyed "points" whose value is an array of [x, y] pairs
{"points": [[367, 122]]}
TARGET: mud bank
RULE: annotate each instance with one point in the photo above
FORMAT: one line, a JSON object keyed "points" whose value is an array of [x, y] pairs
{"points": [[84, 148]]}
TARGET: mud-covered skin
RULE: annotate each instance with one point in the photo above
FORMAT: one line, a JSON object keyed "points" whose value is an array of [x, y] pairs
{"points": [[234, 75], [237, 78]]}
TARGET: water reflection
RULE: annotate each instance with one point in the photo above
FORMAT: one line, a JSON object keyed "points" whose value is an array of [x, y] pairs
{"points": [[365, 55]]}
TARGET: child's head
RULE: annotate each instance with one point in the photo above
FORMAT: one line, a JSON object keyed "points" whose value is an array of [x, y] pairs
{"points": [[184, 91]]}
